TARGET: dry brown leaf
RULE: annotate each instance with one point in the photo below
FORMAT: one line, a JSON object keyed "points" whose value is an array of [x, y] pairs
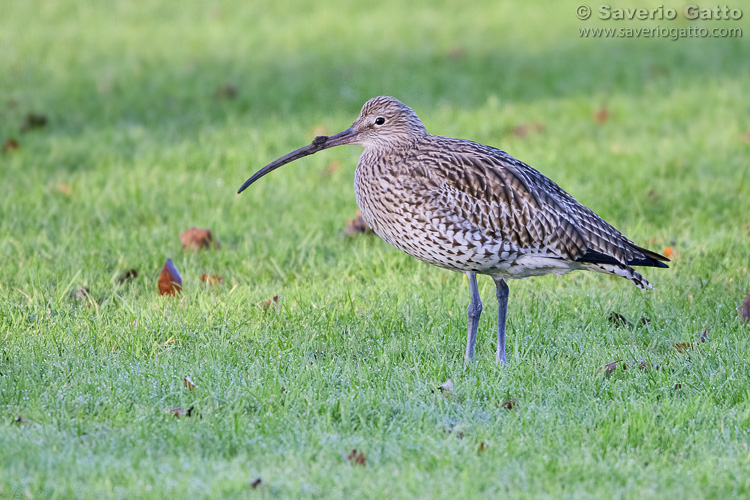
{"points": [[611, 367], [356, 226], [356, 457], [457, 53], [618, 319], [683, 346], [127, 276], [256, 482], [188, 382], [270, 302], [9, 145], [65, 189], [602, 115], [80, 293], [170, 281], [526, 129], [744, 309], [179, 412], [704, 336], [656, 70], [686, 346], [19, 420], [197, 239], [446, 386], [225, 92], [32, 121], [332, 167], [450, 430], [211, 280]]}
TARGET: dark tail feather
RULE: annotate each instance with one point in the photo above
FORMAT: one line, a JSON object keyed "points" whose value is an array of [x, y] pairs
{"points": [[652, 259]]}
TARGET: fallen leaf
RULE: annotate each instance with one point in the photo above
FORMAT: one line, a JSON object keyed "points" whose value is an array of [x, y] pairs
{"points": [[256, 482], [212, 280], [668, 252], [526, 129], [509, 404], [602, 115], [188, 382], [32, 121], [79, 293], [197, 239], [65, 189], [459, 434], [225, 92], [618, 319], [270, 302], [10, 145], [332, 167], [179, 412], [481, 448], [657, 70], [457, 53], [127, 276], [744, 309], [446, 386], [356, 226], [356, 457], [170, 281], [25, 422], [683, 346], [611, 367]]}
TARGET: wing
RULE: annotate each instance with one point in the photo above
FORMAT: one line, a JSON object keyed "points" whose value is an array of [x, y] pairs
{"points": [[485, 189]]}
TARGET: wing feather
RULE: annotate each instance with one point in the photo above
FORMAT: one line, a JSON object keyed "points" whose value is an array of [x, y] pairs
{"points": [[485, 189]]}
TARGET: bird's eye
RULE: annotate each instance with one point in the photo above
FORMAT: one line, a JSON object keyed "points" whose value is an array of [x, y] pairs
{"points": [[379, 120]]}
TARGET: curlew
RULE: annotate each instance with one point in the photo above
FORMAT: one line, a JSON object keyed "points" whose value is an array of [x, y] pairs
{"points": [[471, 208]]}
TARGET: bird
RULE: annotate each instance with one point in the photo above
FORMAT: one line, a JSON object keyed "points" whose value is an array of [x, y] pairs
{"points": [[471, 208]]}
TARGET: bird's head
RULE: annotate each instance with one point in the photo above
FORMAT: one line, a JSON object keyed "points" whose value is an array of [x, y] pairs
{"points": [[386, 122]]}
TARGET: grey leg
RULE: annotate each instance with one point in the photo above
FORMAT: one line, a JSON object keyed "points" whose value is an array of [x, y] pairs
{"points": [[502, 304], [474, 311]]}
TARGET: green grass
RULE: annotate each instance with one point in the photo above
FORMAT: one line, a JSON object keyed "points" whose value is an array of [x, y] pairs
{"points": [[362, 335]]}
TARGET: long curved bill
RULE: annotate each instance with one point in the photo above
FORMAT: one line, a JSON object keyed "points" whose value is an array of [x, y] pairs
{"points": [[320, 143]]}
